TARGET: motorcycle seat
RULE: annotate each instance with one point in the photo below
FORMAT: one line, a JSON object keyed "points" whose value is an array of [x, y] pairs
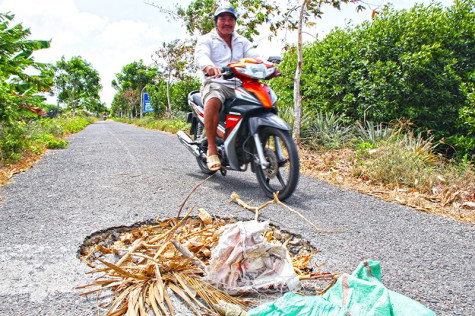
{"points": [[197, 98]]}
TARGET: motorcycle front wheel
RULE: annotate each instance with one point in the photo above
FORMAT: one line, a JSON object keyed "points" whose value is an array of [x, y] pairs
{"points": [[281, 153]]}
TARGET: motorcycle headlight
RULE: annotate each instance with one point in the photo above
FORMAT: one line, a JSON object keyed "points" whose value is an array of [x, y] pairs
{"points": [[255, 71]]}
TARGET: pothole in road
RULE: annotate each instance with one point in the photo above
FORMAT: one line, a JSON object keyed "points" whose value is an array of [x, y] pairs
{"points": [[144, 267]]}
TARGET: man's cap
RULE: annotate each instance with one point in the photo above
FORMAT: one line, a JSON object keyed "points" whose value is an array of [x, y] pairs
{"points": [[225, 9]]}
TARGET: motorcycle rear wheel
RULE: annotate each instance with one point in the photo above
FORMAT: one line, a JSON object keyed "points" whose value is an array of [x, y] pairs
{"points": [[201, 162], [283, 172]]}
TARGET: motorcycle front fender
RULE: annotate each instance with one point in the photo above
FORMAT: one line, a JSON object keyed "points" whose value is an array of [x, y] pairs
{"points": [[267, 119]]}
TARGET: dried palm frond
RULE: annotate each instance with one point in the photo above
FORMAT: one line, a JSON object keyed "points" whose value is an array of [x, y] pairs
{"points": [[143, 266]]}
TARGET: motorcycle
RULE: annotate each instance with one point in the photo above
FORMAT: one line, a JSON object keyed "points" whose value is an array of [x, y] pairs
{"points": [[249, 132]]}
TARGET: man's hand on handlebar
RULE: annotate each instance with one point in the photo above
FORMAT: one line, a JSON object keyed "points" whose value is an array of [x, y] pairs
{"points": [[276, 73], [213, 71]]}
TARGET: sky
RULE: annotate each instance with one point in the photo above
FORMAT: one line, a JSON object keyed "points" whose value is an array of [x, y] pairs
{"points": [[110, 34]]}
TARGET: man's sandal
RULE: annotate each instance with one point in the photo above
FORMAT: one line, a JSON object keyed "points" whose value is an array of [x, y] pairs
{"points": [[213, 163]]}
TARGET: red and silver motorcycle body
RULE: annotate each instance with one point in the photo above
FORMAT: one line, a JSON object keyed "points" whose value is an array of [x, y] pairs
{"points": [[249, 132]]}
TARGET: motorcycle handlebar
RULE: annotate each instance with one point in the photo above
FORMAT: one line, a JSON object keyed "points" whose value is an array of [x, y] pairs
{"points": [[226, 73]]}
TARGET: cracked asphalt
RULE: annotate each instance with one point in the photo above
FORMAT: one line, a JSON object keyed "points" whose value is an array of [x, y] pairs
{"points": [[114, 174]]}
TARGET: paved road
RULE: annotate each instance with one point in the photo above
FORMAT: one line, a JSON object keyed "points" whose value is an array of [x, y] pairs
{"points": [[114, 174]]}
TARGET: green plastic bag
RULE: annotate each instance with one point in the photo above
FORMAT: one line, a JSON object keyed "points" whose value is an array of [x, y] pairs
{"points": [[363, 294], [294, 304], [360, 293]]}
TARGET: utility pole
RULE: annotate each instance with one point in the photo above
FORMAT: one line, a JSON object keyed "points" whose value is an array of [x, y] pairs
{"points": [[141, 102]]}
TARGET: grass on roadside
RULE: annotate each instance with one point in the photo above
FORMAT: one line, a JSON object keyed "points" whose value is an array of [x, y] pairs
{"points": [[170, 125], [394, 163], [21, 145]]}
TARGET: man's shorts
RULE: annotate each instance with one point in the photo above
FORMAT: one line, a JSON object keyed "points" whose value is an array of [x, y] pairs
{"points": [[216, 90]]}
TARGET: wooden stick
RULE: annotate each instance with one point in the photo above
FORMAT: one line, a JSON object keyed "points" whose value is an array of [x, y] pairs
{"points": [[194, 189], [139, 243], [187, 253], [235, 198]]}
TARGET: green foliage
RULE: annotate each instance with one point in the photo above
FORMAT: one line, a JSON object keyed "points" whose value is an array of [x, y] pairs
{"points": [[13, 141], [51, 142], [126, 103], [95, 106], [394, 165], [400, 158], [465, 143], [36, 135], [19, 78], [129, 84], [76, 83], [158, 98], [21, 81], [373, 133], [414, 64], [178, 95], [176, 61], [74, 125], [327, 130], [134, 76], [286, 111], [198, 16], [170, 125]]}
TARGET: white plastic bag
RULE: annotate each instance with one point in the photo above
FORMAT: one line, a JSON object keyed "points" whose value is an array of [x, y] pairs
{"points": [[244, 261]]}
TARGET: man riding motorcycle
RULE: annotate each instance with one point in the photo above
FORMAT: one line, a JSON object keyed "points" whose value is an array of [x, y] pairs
{"points": [[213, 51], [235, 124]]}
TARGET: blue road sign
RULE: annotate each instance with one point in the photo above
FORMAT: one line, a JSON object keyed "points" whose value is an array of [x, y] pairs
{"points": [[146, 103]]}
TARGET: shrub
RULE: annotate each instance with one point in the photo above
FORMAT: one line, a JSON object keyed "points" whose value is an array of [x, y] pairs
{"points": [[168, 125], [412, 64], [327, 130], [76, 124], [36, 135], [403, 158], [373, 133], [13, 141], [51, 142]]}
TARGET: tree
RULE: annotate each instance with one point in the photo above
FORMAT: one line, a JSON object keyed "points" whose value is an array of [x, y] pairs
{"points": [[21, 86], [134, 76], [19, 90], [95, 106], [175, 58], [415, 64], [295, 17], [125, 103], [75, 82], [198, 19], [130, 98], [118, 105]]}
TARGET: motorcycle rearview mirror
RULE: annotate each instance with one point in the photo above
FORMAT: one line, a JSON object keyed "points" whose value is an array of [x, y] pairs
{"points": [[275, 59]]}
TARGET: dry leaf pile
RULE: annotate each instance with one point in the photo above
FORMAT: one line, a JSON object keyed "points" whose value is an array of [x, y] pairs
{"points": [[338, 168], [9, 170], [145, 266]]}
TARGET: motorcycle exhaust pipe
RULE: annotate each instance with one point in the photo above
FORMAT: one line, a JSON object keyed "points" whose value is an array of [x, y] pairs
{"points": [[188, 142]]}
